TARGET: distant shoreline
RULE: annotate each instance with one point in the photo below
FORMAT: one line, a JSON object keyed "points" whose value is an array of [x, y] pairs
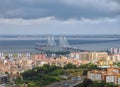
{"points": [[26, 43], [72, 36]]}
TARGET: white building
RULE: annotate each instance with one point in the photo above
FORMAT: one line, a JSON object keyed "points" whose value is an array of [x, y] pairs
{"points": [[95, 75]]}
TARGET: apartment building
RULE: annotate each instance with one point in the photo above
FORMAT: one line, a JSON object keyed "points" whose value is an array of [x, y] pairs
{"points": [[110, 75]]}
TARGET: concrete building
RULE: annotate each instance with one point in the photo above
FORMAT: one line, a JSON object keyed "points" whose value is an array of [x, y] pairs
{"points": [[4, 78], [90, 56], [111, 75], [95, 75], [115, 50], [115, 57]]}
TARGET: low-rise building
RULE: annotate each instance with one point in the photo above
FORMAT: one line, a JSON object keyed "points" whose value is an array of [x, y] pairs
{"points": [[95, 75], [4, 78], [111, 75], [115, 57]]}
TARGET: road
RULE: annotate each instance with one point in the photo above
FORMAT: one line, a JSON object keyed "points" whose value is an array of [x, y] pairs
{"points": [[67, 83], [3, 85]]}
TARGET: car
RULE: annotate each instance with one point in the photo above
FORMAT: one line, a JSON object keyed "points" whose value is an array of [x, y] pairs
{"points": [[66, 84]]}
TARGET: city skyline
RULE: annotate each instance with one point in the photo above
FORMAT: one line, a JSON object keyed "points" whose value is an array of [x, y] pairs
{"points": [[60, 17]]}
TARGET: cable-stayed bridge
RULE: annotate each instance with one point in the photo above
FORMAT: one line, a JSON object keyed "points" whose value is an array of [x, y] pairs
{"points": [[56, 45]]}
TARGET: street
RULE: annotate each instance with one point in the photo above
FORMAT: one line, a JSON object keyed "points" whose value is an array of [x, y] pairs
{"points": [[67, 83]]}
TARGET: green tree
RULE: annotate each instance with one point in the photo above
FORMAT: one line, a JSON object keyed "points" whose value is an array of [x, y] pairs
{"points": [[118, 64], [42, 76], [89, 66], [70, 66], [87, 83]]}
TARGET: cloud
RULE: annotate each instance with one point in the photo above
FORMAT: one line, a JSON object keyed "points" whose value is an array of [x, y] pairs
{"points": [[59, 16], [19, 21], [45, 20], [101, 5], [60, 9], [51, 25]]}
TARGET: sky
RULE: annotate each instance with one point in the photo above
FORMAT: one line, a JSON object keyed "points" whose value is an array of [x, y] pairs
{"points": [[59, 17]]}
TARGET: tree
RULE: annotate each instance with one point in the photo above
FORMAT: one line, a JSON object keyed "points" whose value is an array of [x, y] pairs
{"points": [[118, 64], [87, 83], [88, 66], [85, 72], [70, 66], [42, 76]]}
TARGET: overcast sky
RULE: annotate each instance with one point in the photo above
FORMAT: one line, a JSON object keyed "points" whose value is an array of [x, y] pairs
{"points": [[60, 17]]}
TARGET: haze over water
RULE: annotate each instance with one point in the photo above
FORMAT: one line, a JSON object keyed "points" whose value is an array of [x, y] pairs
{"points": [[27, 44]]}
